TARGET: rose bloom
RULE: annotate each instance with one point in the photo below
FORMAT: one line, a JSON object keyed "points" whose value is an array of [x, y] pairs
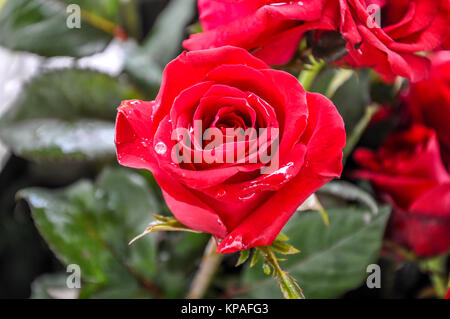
{"points": [[272, 30], [407, 28], [408, 171], [237, 202], [428, 101]]}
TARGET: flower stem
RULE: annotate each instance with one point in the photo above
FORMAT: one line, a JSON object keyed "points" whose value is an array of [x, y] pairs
{"points": [[288, 285], [99, 22], [307, 77], [208, 267], [131, 19], [358, 131]]}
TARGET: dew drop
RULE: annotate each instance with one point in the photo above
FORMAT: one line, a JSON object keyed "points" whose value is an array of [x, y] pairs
{"points": [[247, 196], [160, 148], [367, 218], [221, 193]]}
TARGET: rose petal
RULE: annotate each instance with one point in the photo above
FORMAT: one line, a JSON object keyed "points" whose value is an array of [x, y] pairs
{"points": [[262, 226], [133, 140]]}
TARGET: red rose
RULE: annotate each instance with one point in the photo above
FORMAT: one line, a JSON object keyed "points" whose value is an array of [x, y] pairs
{"points": [[408, 169], [428, 102], [407, 27], [270, 29], [228, 88]]}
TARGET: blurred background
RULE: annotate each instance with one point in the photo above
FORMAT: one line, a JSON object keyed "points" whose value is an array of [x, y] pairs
{"points": [[64, 199]]}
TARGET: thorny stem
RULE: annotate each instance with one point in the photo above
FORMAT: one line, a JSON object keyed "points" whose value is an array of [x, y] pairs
{"points": [[289, 287], [208, 267]]}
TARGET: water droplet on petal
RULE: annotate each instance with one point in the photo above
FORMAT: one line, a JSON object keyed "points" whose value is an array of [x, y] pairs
{"points": [[160, 148], [247, 196], [221, 193]]}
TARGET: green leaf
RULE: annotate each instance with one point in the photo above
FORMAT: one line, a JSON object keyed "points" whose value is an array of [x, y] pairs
{"points": [[179, 254], [341, 76], [333, 259], [255, 258], [289, 287], [145, 63], [351, 192], [105, 9], [39, 26], [243, 257], [282, 237], [350, 97], [71, 94], [164, 42], [313, 203], [284, 248], [65, 115], [90, 225], [163, 223], [50, 139]]}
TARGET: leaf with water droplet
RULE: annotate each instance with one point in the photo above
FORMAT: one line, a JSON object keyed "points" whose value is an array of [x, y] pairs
{"points": [[40, 27], [83, 229], [71, 121], [52, 139], [349, 239]]}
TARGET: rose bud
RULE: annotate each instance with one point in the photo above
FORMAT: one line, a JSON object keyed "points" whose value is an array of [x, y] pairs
{"points": [[228, 186], [408, 171]]}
